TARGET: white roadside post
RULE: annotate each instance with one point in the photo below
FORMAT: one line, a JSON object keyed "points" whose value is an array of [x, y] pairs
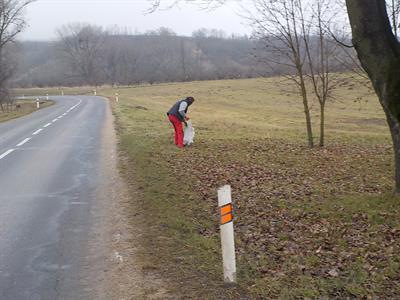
{"points": [[116, 97], [62, 92], [95, 92], [227, 234], [37, 103], [47, 97]]}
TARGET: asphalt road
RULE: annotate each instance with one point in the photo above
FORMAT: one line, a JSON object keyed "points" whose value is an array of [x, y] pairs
{"points": [[49, 173]]}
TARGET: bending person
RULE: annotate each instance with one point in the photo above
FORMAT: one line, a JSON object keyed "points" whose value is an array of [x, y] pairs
{"points": [[178, 115]]}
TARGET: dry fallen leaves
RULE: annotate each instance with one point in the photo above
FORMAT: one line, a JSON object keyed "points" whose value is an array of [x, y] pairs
{"points": [[277, 187]]}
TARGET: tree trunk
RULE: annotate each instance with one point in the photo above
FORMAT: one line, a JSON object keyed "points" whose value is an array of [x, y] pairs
{"points": [[379, 53], [322, 126], [310, 137]]}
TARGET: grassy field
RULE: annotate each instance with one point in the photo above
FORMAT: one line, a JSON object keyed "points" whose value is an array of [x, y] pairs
{"points": [[25, 107], [309, 223]]}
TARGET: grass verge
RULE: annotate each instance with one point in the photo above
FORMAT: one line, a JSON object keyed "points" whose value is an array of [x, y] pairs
{"points": [[22, 108], [309, 223]]}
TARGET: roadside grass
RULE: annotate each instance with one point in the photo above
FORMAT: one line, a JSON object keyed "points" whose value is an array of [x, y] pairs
{"points": [[309, 223], [25, 107]]}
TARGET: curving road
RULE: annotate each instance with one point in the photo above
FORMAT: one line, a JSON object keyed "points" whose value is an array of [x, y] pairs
{"points": [[50, 163]]}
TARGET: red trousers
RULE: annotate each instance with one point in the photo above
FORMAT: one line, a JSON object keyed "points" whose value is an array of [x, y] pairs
{"points": [[178, 130]]}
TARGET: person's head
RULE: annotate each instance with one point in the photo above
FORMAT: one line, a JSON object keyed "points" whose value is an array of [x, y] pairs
{"points": [[190, 100]]}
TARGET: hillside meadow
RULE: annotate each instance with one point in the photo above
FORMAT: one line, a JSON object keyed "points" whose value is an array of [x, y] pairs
{"points": [[309, 223]]}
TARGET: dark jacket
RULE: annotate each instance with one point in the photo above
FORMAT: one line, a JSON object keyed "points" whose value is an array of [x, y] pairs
{"points": [[175, 109]]}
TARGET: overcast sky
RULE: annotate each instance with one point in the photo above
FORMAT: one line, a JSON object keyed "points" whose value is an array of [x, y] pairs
{"points": [[45, 16]]}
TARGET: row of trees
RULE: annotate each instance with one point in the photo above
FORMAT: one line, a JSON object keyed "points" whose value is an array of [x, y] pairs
{"points": [[89, 55], [160, 56]]}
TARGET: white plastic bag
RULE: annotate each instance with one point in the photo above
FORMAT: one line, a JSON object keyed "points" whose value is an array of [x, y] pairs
{"points": [[189, 133]]}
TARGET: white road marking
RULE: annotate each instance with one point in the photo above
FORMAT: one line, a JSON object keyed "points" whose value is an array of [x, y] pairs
{"points": [[37, 132], [6, 153], [76, 105], [24, 142]]}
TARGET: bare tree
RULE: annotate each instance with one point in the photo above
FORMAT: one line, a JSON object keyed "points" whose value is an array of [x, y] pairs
{"points": [[81, 46], [204, 4], [11, 24], [321, 51], [11, 20], [298, 40], [281, 24]]}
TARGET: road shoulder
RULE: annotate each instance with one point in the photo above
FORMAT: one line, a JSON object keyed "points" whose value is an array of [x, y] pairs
{"points": [[117, 235]]}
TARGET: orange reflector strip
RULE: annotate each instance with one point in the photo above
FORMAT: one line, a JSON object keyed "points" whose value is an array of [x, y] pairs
{"points": [[226, 209], [226, 214], [226, 219]]}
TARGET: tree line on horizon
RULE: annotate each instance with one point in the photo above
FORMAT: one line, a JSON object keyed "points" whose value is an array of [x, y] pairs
{"points": [[86, 54]]}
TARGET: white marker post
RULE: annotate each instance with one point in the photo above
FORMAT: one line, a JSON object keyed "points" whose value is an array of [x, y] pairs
{"points": [[62, 92], [116, 97], [47, 97], [227, 234], [37, 103], [95, 92]]}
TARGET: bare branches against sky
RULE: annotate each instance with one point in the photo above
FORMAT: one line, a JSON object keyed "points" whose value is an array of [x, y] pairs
{"points": [[45, 16]]}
